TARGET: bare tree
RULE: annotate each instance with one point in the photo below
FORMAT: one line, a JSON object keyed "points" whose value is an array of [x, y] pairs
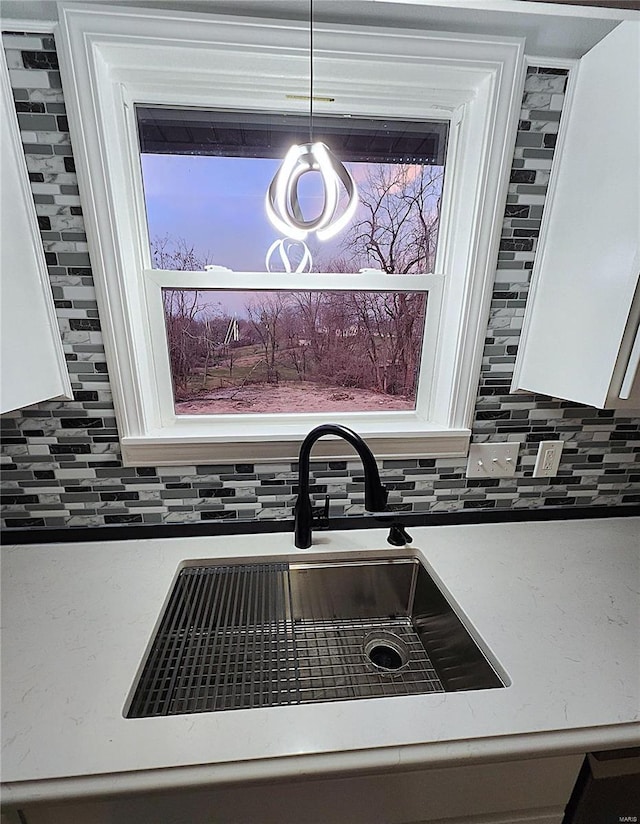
{"points": [[168, 252], [400, 214], [295, 339], [266, 314], [396, 231], [191, 336], [181, 310], [310, 308]]}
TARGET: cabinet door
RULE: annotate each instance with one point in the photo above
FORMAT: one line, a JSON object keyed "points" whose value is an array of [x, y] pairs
{"points": [[584, 308], [32, 358], [529, 791]]}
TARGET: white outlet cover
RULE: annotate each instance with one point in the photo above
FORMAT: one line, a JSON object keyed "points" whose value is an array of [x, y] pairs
{"points": [[548, 459], [492, 460]]}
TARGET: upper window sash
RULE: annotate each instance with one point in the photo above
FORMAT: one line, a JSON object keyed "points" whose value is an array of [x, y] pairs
{"points": [[198, 163]]}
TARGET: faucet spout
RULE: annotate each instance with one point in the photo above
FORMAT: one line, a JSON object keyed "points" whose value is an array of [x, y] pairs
{"points": [[375, 494]]}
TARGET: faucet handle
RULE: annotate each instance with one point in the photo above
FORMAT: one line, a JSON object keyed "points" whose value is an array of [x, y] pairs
{"points": [[398, 535]]}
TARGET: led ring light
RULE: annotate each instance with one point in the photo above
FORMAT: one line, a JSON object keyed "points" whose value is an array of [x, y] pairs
{"points": [[283, 206]]}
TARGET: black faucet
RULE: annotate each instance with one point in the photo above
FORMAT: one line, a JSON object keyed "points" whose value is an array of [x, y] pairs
{"points": [[375, 495]]}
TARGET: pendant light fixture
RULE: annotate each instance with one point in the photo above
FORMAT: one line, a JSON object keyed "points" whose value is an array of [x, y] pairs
{"points": [[289, 255], [282, 203]]}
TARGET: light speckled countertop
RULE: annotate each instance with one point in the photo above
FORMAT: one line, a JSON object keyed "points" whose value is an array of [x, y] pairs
{"points": [[557, 603]]}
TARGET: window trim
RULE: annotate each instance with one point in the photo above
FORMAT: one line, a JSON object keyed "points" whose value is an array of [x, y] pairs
{"points": [[111, 59]]}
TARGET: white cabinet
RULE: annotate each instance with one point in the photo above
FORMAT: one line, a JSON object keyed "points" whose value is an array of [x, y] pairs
{"points": [[580, 338], [32, 358], [530, 791]]}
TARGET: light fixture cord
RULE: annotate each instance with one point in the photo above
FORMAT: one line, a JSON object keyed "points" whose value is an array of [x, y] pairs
{"points": [[310, 71]]}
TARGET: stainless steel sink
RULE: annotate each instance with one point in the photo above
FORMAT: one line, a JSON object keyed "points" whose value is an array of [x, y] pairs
{"points": [[237, 636]]}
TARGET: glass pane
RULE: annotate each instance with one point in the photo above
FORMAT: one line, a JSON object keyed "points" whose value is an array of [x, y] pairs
{"points": [[308, 351], [206, 175]]}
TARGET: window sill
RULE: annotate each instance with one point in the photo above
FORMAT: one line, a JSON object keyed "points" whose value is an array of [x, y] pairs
{"points": [[166, 450]]}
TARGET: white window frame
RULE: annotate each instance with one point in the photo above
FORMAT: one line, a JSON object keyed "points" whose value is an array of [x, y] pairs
{"points": [[115, 58]]}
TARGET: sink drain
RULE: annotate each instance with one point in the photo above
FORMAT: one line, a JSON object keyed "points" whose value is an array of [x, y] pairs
{"points": [[386, 651]]}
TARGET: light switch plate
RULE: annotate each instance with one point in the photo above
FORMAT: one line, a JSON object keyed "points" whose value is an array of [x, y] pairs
{"points": [[492, 460]]}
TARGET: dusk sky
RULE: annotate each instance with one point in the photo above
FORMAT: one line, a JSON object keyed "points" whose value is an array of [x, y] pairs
{"points": [[217, 204]]}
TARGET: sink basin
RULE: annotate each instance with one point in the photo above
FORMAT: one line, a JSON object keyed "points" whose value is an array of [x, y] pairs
{"points": [[237, 636]]}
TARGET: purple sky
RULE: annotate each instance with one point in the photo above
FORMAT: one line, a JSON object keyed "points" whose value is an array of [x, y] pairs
{"points": [[217, 205]]}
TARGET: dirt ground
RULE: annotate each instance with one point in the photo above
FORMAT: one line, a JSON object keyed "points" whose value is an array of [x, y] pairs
{"points": [[292, 397]]}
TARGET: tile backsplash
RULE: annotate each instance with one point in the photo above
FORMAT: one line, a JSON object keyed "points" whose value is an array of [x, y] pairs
{"points": [[61, 461]]}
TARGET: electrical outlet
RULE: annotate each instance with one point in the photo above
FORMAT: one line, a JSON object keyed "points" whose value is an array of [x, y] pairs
{"points": [[548, 459], [492, 460]]}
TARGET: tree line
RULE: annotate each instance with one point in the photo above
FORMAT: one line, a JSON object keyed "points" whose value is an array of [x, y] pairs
{"points": [[360, 340]]}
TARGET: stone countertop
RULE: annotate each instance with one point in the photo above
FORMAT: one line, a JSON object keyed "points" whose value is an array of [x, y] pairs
{"points": [[556, 602]]}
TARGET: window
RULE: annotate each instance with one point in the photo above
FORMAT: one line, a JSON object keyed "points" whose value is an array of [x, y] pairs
{"points": [[210, 354], [305, 350]]}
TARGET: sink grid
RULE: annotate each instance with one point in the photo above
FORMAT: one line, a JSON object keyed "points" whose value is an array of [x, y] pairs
{"points": [[227, 640]]}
